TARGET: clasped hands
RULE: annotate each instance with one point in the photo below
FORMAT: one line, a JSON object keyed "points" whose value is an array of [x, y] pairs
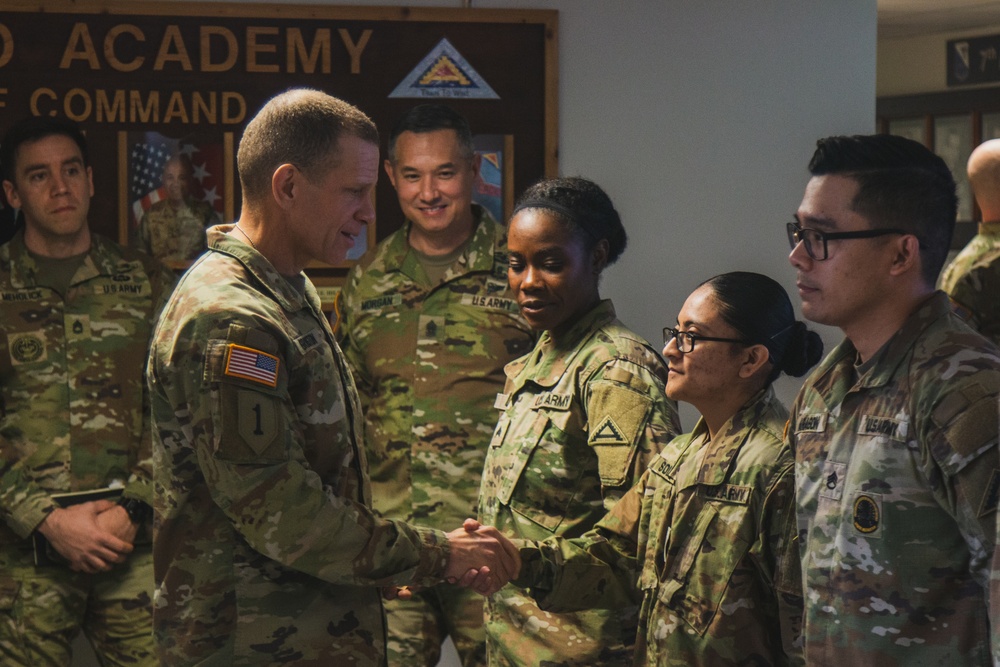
{"points": [[92, 536], [480, 558]]}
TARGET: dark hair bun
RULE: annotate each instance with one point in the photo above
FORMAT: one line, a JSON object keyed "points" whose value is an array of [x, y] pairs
{"points": [[805, 349]]}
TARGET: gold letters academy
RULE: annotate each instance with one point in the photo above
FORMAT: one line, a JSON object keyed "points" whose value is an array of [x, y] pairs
{"points": [[211, 50]]}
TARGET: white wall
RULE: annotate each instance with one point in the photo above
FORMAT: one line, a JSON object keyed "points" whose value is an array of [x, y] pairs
{"points": [[699, 117], [918, 64]]}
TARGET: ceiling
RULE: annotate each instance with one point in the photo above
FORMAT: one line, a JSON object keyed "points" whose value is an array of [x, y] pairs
{"points": [[910, 18]]}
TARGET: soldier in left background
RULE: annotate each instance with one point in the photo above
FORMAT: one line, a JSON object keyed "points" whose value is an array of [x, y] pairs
{"points": [[76, 313], [173, 229]]}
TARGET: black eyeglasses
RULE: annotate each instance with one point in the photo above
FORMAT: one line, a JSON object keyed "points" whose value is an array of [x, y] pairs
{"points": [[686, 339], [815, 240]]}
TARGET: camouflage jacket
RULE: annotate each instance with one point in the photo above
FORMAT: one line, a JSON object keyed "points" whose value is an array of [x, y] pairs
{"points": [[266, 549], [725, 585], [896, 492], [73, 401], [171, 234], [582, 417], [985, 242], [975, 296], [428, 362]]}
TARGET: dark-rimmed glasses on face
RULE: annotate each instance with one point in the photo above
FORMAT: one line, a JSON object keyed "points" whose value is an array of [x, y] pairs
{"points": [[686, 339], [815, 240]]}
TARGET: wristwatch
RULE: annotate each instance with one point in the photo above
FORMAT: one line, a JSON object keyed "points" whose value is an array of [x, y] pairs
{"points": [[138, 511]]}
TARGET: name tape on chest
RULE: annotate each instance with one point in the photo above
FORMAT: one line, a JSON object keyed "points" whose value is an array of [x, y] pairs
{"points": [[490, 302], [888, 427], [552, 401], [380, 302], [811, 423], [250, 364], [728, 493]]}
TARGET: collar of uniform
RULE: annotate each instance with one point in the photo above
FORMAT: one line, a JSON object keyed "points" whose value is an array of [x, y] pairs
{"points": [[991, 228], [273, 282], [100, 261], [551, 357], [837, 368], [716, 464], [478, 255]]}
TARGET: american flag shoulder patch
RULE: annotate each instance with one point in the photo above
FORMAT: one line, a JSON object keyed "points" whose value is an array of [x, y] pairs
{"points": [[250, 364]]}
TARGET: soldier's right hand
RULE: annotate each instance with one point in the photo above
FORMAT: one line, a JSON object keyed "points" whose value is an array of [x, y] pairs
{"points": [[485, 550], [75, 533]]}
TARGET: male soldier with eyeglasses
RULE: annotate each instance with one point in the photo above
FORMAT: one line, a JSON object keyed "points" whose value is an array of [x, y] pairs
{"points": [[895, 432]]}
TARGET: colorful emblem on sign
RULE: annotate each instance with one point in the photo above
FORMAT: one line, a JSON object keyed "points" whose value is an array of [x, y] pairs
{"points": [[250, 364], [444, 73]]}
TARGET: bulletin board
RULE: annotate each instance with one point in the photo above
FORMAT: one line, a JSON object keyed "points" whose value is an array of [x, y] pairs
{"points": [[148, 81]]}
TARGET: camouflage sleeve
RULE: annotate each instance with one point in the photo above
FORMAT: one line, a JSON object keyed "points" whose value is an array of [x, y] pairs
{"points": [[777, 554], [598, 570], [961, 438], [249, 444], [630, 420], [974, 298], [346, 306], [140, 484], [23, 504]]}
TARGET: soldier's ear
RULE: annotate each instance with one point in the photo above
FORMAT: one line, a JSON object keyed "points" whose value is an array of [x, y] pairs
{"points": [[906, 254], [284, 184]]}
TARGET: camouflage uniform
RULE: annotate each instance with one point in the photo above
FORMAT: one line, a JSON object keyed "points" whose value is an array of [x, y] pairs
{"points": [[428, 362], [266, 550], [73, 412], [170, 234], [896, 494], [725, 586], [583, 415], [972, 281]]}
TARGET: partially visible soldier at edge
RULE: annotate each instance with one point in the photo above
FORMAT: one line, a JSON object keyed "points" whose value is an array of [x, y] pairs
{"points": [[972, 280], [76, 316], [895, 432], [266, 547], [427, 323]]}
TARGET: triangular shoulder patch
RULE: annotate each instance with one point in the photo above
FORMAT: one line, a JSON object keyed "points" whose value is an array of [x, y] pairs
{"points": [[608, 433]]}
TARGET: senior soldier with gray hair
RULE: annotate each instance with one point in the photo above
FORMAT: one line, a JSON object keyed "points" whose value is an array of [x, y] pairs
{"points": [[267, 550]]}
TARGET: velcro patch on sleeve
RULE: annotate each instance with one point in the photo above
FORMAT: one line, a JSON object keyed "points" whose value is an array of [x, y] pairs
{"points": [[250, 364], [618, 418]]}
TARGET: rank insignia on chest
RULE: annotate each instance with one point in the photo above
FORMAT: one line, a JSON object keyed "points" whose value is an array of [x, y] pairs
{"points": [[250, 364]]}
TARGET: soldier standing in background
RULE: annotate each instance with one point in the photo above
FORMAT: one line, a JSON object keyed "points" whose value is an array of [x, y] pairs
{"points": [[427, 323], [972, 280], [76, 314], [895, 432]]}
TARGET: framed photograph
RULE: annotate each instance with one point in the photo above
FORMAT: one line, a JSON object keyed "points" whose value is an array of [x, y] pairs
{"points": [[953, 142], [173, 189], [991, 126], [911, 128], [494, 188]]}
